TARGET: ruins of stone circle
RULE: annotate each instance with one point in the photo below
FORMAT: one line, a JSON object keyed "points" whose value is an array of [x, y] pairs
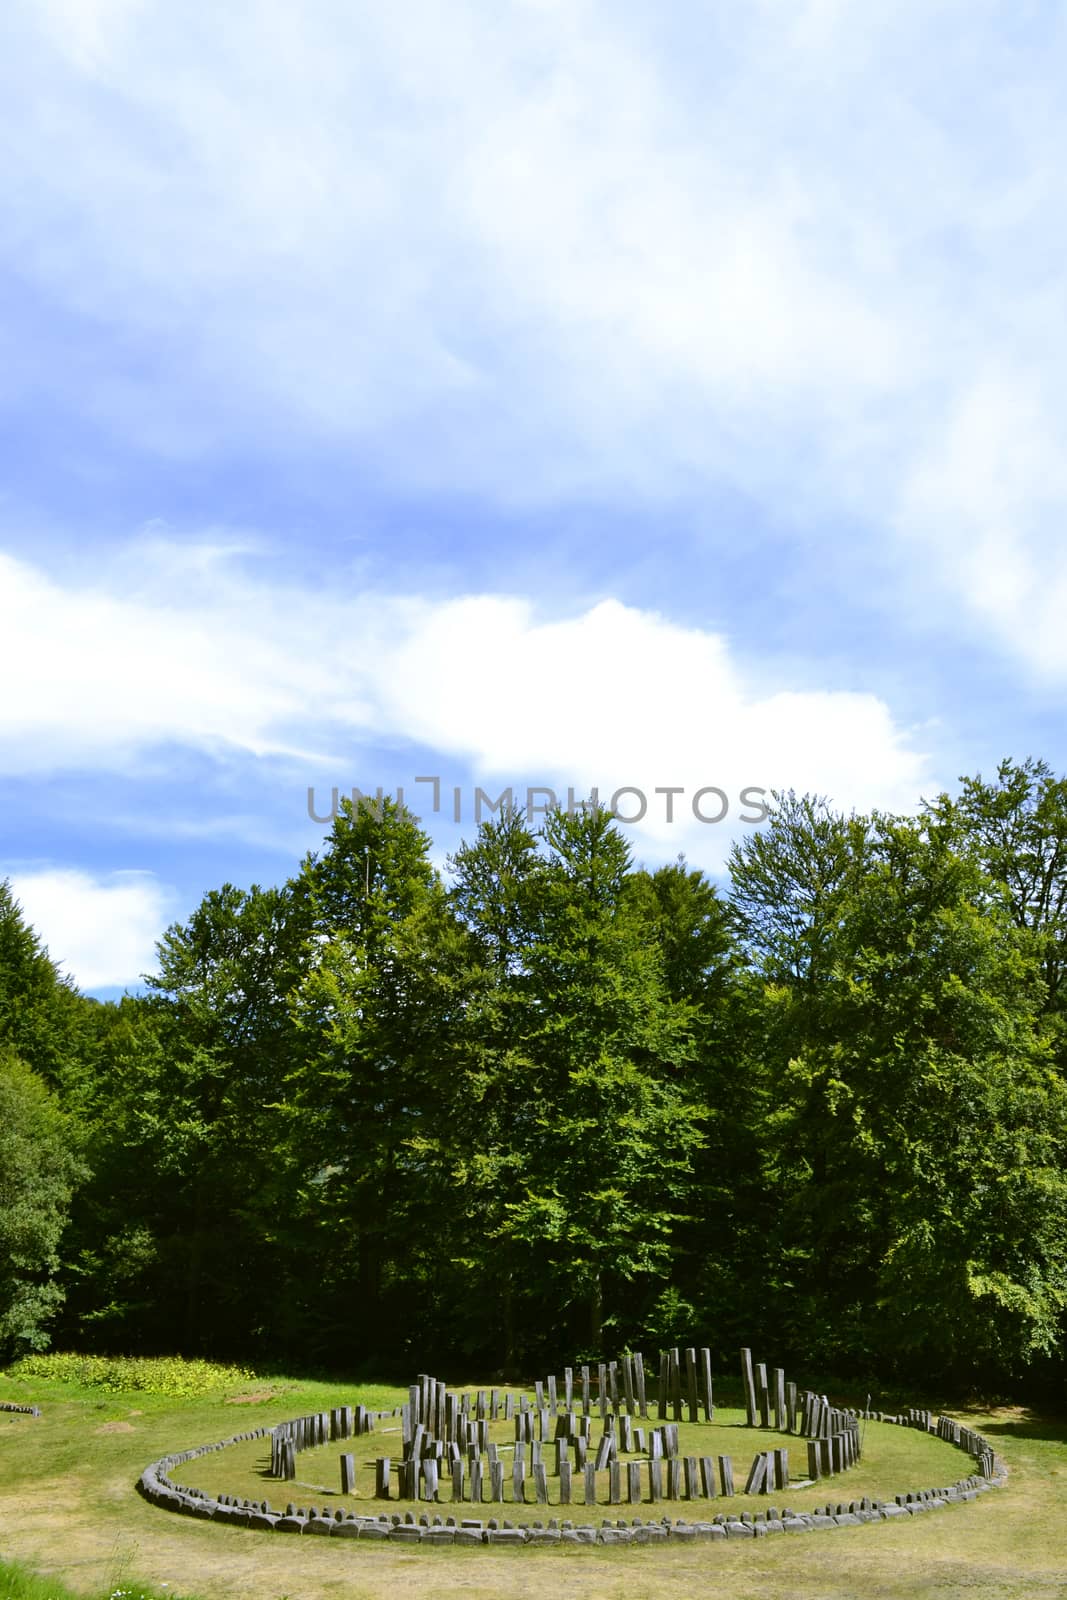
{"points": [[444, 1444]]}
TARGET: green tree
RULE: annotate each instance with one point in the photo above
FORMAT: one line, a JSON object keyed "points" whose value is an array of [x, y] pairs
{"points": [[184, 1234], [1016, 829], [913, 1129], [380, 1073], [39, 1170], [42, 1015], [596, 1162]]}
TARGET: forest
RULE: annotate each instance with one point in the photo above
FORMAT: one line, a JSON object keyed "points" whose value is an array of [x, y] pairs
{"points": [[549, 1105]]}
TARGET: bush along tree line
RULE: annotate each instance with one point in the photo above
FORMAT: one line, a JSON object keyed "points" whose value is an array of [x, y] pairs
{"points": [[550, 1103]]}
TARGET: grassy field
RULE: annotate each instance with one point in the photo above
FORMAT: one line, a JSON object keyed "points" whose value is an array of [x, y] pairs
{"points": [[69, 1513]]}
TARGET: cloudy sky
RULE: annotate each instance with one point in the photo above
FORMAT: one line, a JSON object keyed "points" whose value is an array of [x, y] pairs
{"points": [[545, 393]]}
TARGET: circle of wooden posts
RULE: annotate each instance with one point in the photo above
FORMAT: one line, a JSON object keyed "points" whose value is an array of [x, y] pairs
{"points": [[445, 1450]]}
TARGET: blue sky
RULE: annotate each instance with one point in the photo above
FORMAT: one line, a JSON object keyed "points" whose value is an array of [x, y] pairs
{"points": [[540, 393]]}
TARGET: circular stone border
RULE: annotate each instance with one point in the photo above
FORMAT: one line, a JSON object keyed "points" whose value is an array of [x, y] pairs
{"points": [[158, 1486]]}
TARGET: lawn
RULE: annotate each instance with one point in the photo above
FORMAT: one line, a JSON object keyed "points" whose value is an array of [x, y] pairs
{"points": [[69, 1511]]}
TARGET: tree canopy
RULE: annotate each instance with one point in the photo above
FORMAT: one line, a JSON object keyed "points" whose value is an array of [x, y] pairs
{"points": [[547, 1101]]}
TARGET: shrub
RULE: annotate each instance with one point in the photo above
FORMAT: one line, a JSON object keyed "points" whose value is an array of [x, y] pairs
{"points": [[170, 1376]]}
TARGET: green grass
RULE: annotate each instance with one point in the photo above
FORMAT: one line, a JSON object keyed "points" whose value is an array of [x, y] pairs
{"points": [[69, 1513], [895, 1460], [17, 1582]]}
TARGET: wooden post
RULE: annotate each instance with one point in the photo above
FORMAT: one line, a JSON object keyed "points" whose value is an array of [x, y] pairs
{"points": [[756, 1482], [590, 1484], [750, 1387], [655, 1480], [779, 1399], [707, 1476], [661, 1393], [791, 1407], [675, 1374], [518, 1480], [459, 1472], [692, 1479], [633, 1482], [706, 1396], [764, 1395], [381, 1478], [628, 1383], [496, 1482], [691, 1385], [429, 1477], [614, 1483], [602, 1388], [585, 1391], [639, 1379], [552, 1398], [540, 1478], [348, 1474], [814, 1464], [565, 1483], [781, 1468], [568, 1388], [726, 1474], [674, 1479]]}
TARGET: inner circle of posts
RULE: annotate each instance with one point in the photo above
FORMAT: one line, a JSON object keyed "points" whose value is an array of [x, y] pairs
{"points": [[444, 1436]]}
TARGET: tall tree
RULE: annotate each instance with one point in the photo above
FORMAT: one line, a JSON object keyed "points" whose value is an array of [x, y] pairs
{"points": [[1016, 829], [380, 1070], [39, 1170], [42, 1016], [599, 1151], [192, 1173], [909, 1086]]}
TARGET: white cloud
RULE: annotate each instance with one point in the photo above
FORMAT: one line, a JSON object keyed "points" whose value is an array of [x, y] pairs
{"points": [[189, 651], [984, 499], [538, 249], [102, 931]]}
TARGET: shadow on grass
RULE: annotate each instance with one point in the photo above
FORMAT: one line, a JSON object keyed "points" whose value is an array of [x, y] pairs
{"points": [[1029, 1425]]}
